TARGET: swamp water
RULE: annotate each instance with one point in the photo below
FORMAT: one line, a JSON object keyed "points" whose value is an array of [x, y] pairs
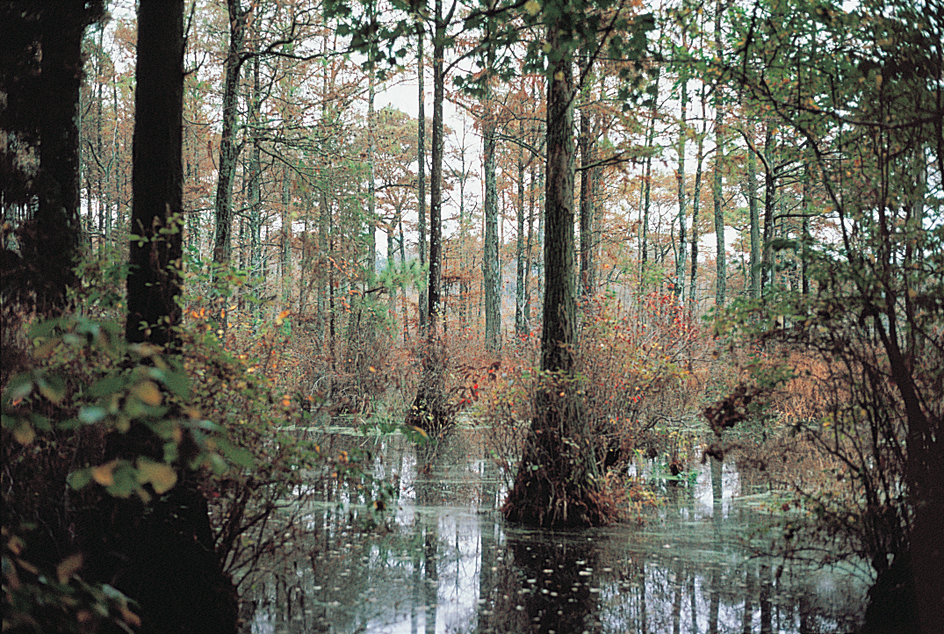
{"points": [[448, 563]]}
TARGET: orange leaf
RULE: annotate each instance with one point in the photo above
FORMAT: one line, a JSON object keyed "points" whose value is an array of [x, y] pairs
{"points": [[149, 393], [105, 474], [68, 567]]}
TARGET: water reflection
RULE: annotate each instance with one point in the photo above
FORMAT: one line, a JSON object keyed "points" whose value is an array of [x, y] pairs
{"points": [[449, 564]]}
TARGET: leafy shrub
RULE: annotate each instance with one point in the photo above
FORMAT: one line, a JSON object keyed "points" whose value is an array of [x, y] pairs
{"points": [[92, 416]]}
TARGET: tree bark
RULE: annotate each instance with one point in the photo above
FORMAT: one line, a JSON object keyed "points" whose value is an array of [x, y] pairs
{"points": [[52, 241], [755, 264], [720, 258], [682, 201], [157, 175], [421, 165], [229, 148], [490, 264], [586, 143], [520, 289], [428, 411], [556, 483]]}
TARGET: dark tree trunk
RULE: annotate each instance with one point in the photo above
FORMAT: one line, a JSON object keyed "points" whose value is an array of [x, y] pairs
{"points": [[166, 560], [682, 201], [428, 411], [435, 177], [556, 484], [421, 165], [157, 175], [51, 240], [756, 282], [770, 199]]}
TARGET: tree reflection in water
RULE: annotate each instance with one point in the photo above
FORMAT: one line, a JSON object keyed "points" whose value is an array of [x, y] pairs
{"points": [[447, 563]]}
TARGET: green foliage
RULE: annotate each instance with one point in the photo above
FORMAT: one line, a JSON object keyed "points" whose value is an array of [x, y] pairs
{"points": [[202, 414], [503, 31], [86, 375]]}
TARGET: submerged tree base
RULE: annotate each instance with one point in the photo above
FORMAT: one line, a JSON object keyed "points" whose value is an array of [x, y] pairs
{"points": [[554, 489]]}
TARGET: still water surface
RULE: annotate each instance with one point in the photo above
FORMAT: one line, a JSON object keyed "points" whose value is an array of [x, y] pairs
{"points": [[448, 563]]}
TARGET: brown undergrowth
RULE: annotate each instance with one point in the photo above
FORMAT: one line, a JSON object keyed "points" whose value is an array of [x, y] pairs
{"points": [[640, 375]]}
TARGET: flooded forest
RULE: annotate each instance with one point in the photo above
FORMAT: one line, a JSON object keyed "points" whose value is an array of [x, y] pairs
{"points": [[559, 316]]}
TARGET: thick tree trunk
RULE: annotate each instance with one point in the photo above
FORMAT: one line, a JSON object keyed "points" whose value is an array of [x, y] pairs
{"points": [[157, 175], [428, 411], [51, 241], [556, 483], [176, 580]]}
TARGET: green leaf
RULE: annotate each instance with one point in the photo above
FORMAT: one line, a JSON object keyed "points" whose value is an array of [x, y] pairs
{"points": [[41, 422], [78, 479], [92, 414], [43, 329], [107, 385], [52, 387], [125, 481], [178, 383], [238, 455], [19, 387]]}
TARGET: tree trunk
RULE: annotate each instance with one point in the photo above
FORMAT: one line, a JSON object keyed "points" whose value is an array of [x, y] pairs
{"points": [[696, 207], [421, 165], [683, 134], [157, 175], [770, 199], [585, 141], [286, 254], [720, 259], [229, 148], [646, 191], [491, 265], [556, 483], [254, 177], [51, 242], [755, 275], [428, 411], [436, 177], [371, 185], [520, 290]]}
